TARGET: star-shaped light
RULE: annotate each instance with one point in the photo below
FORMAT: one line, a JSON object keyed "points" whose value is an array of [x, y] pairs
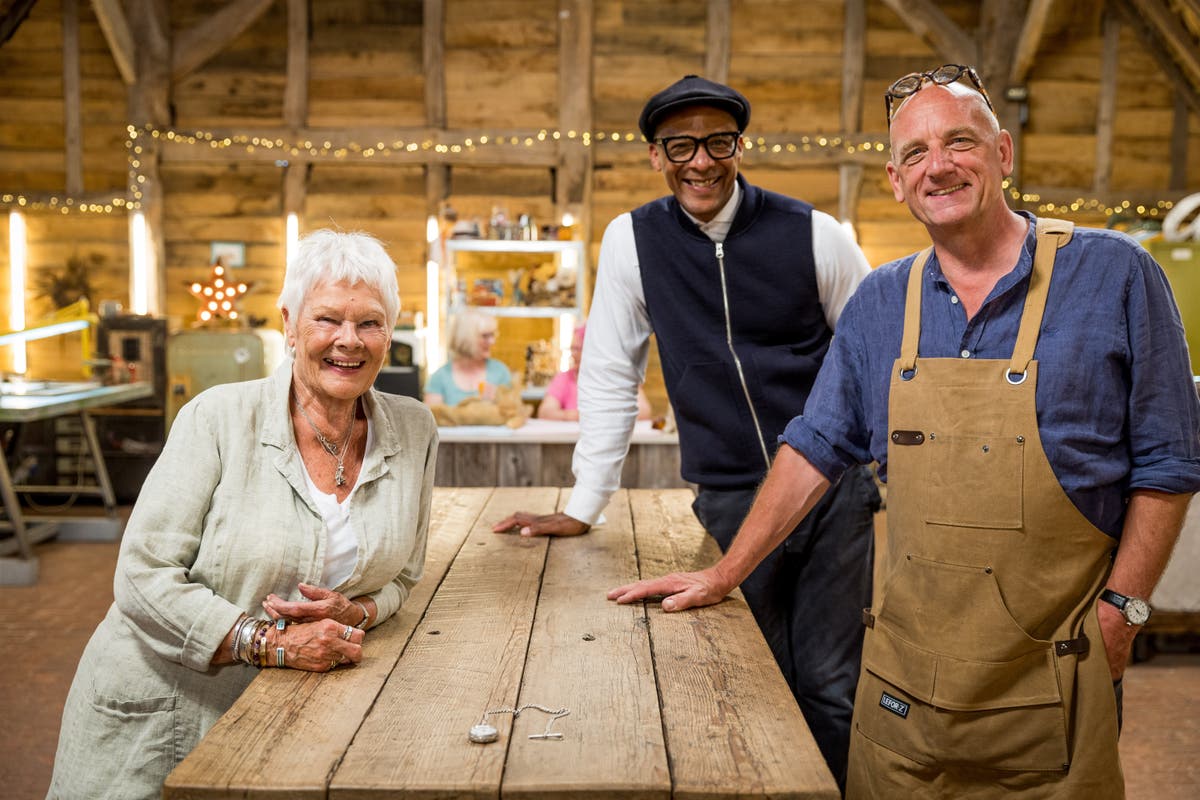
{"points": [[219, 296]]}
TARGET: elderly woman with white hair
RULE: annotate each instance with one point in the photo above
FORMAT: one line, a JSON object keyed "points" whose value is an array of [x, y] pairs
{"points": [[285, 517]]}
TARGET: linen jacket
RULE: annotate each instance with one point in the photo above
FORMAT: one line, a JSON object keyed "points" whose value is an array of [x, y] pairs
{"points": [[224, 518]]}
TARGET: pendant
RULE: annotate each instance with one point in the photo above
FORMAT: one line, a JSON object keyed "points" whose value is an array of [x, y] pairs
{"points": [[339, 477], [483, 733]]}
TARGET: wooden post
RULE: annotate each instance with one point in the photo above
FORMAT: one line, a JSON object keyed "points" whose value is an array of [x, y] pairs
{"points": [[437, 176], [72, 115], [853, 62], [1107, 103], [295, 97], [149, 104], [1179, 145], [573, 187], [717, 39]]}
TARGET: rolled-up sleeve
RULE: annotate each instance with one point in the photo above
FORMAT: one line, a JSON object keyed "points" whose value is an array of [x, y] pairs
{"points": [[833, 433], [1164, 413]]}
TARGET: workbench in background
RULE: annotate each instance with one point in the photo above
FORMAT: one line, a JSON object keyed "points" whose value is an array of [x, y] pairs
{"points": [[539, 454]]}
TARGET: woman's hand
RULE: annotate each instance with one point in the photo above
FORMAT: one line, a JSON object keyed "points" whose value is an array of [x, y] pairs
{"points": [[317, 646], [321, 604]]}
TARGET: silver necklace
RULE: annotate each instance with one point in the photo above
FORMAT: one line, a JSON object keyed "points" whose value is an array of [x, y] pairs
{"points": [[339, 476], [485, 732]]}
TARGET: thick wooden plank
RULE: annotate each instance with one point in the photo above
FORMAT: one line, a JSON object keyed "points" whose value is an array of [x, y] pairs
{"points": [[593, 657], [556, 465], [728, 713], [302, 722], [657, 466], [466, 656], [520, 465], [1028, 41]]}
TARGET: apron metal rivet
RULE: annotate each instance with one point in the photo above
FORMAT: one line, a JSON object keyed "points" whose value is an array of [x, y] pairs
{"points": [[932, 436], [986, 448], [987, 570], [1020, 440]]}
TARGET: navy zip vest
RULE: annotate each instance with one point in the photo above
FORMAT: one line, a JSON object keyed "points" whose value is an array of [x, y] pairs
{"points": [[778, 328]]}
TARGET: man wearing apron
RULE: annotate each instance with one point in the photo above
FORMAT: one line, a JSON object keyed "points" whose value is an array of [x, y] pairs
{"points": [[1026, 390]]}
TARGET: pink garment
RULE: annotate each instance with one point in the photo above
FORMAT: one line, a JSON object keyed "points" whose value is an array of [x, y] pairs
{"points": [[564, 387]]}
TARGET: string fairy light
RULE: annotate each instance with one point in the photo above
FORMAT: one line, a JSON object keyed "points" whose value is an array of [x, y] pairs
{"points": [[761, 148]]}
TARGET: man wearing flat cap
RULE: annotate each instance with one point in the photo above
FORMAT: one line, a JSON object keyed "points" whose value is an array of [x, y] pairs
{"points": [[743, 288]]}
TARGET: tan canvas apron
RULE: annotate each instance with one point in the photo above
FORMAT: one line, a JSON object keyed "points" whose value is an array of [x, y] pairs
{"points": [[984, 673]]}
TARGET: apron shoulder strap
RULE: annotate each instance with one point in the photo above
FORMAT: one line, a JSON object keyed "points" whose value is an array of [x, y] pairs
{"points": [[912, 313], [1051, 235]]}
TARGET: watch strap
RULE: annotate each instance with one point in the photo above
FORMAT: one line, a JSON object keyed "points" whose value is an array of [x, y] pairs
{"points": [[1112, 598]]}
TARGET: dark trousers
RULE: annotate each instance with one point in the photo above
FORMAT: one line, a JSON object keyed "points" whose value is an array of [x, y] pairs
{"points": [[808, 596]]}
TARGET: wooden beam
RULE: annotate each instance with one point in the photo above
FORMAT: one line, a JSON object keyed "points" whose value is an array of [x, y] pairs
{"points": [[195, 46], [1171, 30], [433, 49], [925, 19], [113, 24], [150, 104], [1157, 48], [72, 98], [998, 36], [573, 178], [295, 95], [853, 65], [1106, 106], [295, 188], [1029, 40], [854, 56], [12, 18], [717, 35], [1179, 146]]}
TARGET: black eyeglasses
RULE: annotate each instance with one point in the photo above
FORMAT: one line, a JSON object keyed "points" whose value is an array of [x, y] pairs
{"points": [[911, 83], [682, 149]]}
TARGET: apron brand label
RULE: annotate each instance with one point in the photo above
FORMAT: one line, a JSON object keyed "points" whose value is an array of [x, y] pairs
{"points": [[897, 707]]}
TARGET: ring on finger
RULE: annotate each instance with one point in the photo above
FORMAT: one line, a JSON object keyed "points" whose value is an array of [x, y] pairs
{"points": [[348, 632]]}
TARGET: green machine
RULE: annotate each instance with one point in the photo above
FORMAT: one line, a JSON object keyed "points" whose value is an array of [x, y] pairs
{"points": [[1181, 262]]}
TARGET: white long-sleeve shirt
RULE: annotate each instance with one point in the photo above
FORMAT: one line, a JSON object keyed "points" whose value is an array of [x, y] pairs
{"points": [[615, 349]]}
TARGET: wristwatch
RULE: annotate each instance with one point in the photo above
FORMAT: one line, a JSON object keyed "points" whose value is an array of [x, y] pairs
{"points": [[1135, 609]]}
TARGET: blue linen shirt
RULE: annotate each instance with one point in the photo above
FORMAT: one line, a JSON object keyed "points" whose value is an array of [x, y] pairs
{"points": [[1117, 409]]}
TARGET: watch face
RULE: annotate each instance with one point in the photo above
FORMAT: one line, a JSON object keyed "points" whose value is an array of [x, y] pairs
{"points": [[1137, 611]]}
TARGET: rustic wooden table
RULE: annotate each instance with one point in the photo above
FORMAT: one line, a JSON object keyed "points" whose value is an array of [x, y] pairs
{"points": [[661, 705]]}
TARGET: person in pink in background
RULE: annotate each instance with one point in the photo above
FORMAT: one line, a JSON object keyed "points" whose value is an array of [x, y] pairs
{"points": [[561, 400]]}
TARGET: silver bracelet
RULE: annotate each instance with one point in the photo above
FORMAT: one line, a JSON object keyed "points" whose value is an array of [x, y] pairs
{"points": [[362, 624], [237, 635]]}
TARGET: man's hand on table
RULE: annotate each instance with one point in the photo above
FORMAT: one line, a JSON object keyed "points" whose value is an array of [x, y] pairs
{"points": [[541, 525], [678, 591]]}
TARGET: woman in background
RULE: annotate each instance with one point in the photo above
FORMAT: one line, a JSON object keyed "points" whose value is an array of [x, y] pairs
{"points": [[284, 518], [562, 395], [471, 371]]}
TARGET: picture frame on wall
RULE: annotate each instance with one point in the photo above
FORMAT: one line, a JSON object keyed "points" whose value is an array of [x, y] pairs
{"points": [[229, 254]]}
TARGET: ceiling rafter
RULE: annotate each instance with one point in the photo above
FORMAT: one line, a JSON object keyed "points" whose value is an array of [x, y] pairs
{"points": [[1171, 30], [925, 19], [190, 49], [115, 27], [1030, 39], [1157, 48], [12, 14]]}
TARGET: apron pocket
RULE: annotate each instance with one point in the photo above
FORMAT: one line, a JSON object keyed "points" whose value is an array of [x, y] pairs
{"points": [[1024, 738], [949, 677], [973, 481]]}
